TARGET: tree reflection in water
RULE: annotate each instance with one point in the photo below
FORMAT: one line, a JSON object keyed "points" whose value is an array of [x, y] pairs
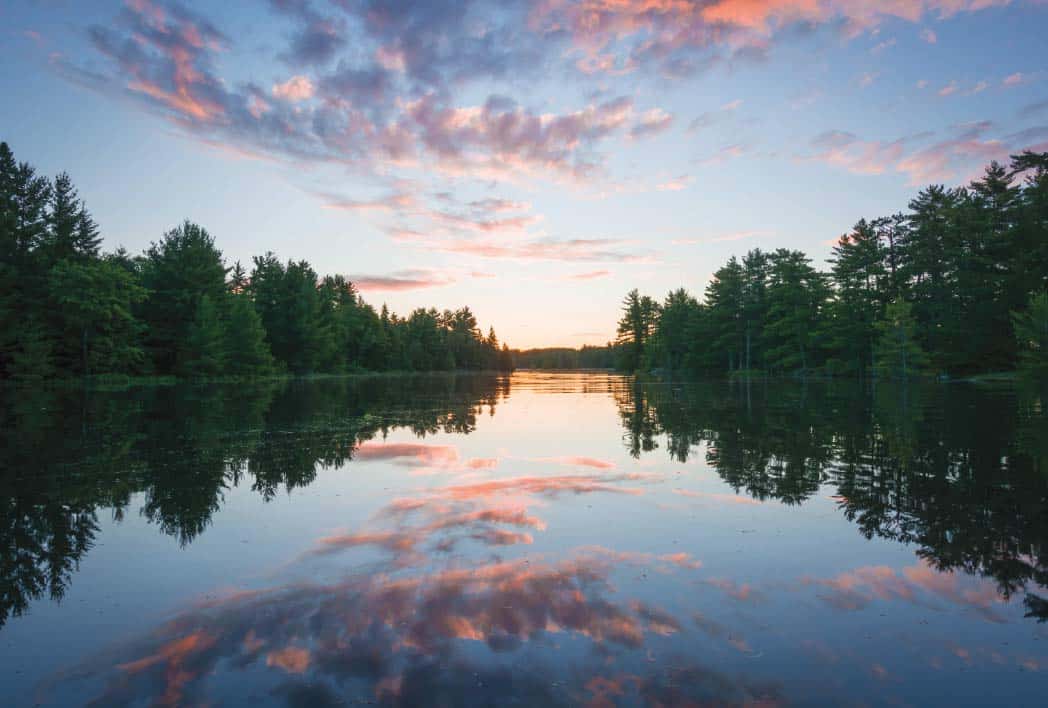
{"points": [[959, 471], [68, 455]]}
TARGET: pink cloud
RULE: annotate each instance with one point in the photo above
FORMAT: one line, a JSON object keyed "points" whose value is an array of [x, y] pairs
{"points": [[651, 123], [676, 184], [1014, 79], [295, 89], [589, 275]]}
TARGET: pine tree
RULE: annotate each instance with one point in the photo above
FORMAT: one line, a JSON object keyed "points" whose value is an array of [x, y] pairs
{"points": [[898, 354], [637, 324], [797, 294], [178, 270], [237, 279], [203, 352], [63, 220], [87, 240], [725, 325], [247, 353]]}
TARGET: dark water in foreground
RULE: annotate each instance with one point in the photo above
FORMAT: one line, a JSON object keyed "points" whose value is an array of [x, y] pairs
{"points": [[533, 540]]}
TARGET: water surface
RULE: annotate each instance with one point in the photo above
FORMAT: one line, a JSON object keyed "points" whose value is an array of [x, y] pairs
{"points": [[534, 539]]}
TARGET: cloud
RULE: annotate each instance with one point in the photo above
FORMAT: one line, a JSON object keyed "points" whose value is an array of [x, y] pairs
{"points": [[297, 88], [316, 39], [651, 123], [579, 249], [709, 118], [401, 280], [929, 36], [1015, 79], [391, 106], [676, 184], [729, 152], [396, 200], [589, 275], [682, 36], [881, 46], [922, 163]]}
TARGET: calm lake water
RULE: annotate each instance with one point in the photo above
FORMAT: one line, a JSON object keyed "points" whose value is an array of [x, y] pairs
{"points": [[536, 539]]}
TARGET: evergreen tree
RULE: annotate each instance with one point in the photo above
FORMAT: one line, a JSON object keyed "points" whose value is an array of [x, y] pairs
{"points": [[797, 293], [178, 270], [88, 239], [725, 324], [237, 279], [203, 353], [671, 339], [861, 279], [246, 352], [639, 314], [63, 221], [898, 353]]}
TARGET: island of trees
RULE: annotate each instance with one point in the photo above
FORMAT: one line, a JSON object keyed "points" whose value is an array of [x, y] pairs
{"points": [[68, 310], [955, 286]]}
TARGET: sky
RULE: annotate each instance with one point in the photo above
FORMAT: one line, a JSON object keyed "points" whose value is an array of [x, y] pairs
{"points": [[533, 160]]}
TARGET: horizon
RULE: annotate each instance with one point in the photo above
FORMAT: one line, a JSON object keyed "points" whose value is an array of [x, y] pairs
{"points": [[551, 161]]}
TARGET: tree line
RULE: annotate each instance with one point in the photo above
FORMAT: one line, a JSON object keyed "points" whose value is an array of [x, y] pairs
{"points": [[67, 309], [957, 285], [585, 357]]}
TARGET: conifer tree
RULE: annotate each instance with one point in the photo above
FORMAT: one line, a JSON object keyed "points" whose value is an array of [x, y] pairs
{"points": [[63, 220], [898, 354], [247, 353], [203, 353]]}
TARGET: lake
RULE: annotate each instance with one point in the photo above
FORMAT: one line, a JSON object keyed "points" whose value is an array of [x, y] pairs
{"points": [[534, 539]]}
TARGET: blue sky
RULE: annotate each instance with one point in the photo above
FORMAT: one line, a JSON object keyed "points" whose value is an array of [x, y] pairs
{"points": [[534, 160]]}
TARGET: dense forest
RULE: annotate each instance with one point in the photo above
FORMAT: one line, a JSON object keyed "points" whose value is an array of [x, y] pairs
{"points": [[68, 310], [955, 286], [586, 357]]}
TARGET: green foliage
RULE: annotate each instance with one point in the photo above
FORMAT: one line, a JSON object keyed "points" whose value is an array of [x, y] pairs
{"points": [[639, 315], [178, 271], [898, 353], [1031, 333], [203, 353], [246, 352], [797, 294], [961, 266], [97, 332]]}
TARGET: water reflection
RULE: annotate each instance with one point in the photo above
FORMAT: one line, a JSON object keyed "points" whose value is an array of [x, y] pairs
{"points": [[959, 472], [413, 641], [68, 456], [611, 542]]}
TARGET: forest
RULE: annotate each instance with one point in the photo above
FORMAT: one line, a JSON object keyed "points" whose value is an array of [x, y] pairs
{"points": [[69, 310], [953, 287]]}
